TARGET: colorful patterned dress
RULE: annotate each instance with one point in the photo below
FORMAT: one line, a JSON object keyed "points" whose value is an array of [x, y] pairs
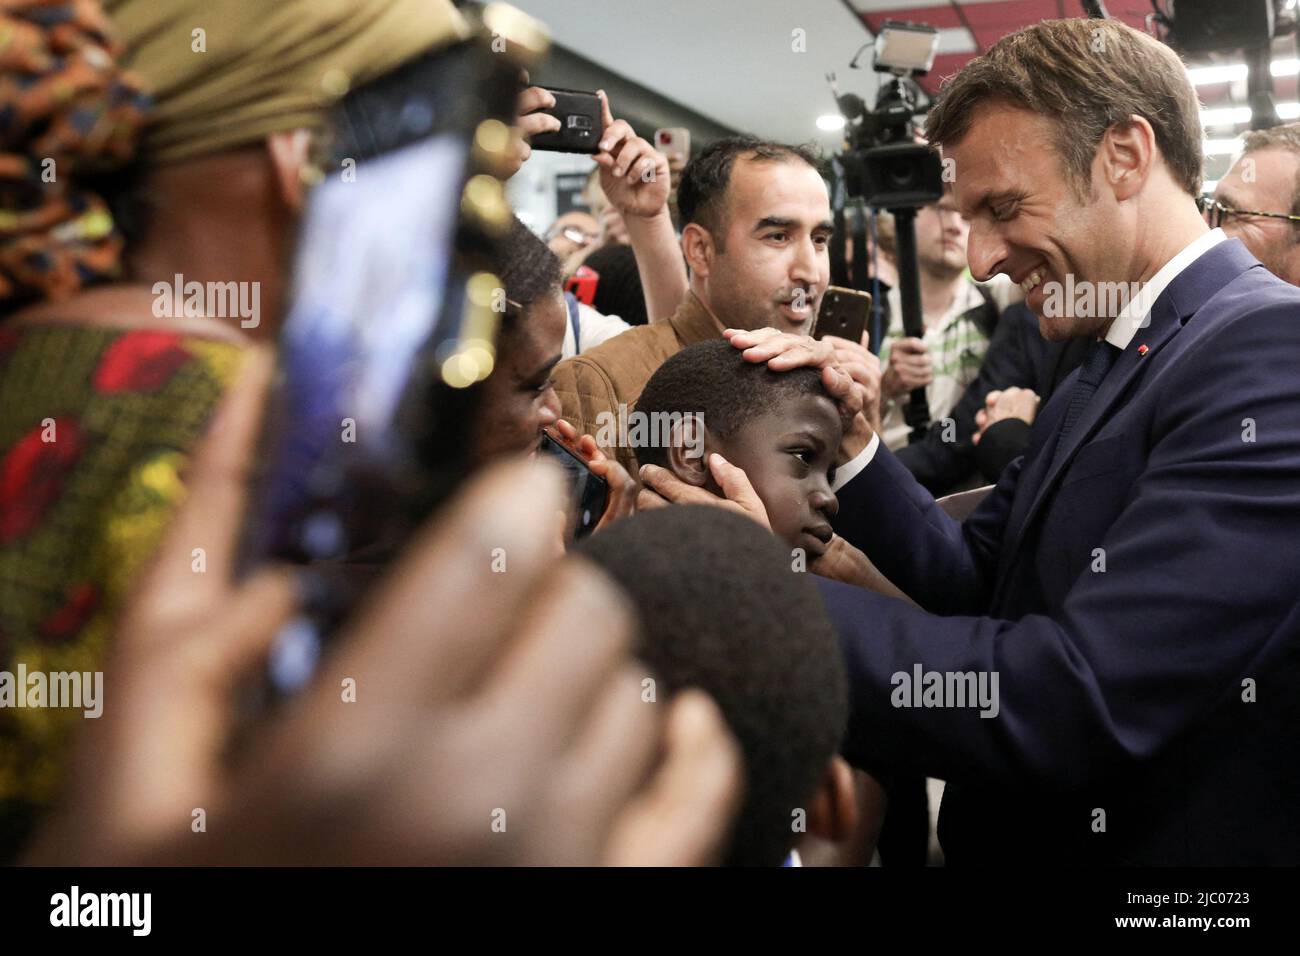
{"points": [[95, 428]]}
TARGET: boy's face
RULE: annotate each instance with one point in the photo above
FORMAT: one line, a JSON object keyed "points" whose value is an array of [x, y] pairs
{"points": [[789, 456]]}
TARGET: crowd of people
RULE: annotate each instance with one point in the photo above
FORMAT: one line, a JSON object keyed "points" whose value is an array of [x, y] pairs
{"points": [[729, 669]]}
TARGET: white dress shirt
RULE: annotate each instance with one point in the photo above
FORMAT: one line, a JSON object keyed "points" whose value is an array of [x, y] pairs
{"points": [[1137, 313]]}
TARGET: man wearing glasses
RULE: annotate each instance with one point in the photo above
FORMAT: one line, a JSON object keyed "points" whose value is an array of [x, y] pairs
{"points": [[573, 231], [1258, 201]]}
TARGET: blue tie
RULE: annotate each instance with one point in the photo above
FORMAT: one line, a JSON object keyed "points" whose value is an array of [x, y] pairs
{"points": [[1101, 356]]}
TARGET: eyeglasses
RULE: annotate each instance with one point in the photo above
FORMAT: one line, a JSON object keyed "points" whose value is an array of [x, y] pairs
{"points": [[1216, 213], [573, 234]]}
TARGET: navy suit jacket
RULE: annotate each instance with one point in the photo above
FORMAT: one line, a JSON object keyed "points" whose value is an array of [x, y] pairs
{"points": [[1138, 595]]}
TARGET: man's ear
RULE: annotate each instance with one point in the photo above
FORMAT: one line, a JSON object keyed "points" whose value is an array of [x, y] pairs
{"points": [[288, 153], [834, 812], [1127, 154], [687, 456], [698, 248]]}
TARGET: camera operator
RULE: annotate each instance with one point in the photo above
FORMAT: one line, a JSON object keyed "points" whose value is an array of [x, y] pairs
{"points": [[959, 320]]}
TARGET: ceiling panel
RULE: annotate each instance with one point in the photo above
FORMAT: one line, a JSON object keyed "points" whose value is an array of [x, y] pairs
{"points": [[736, 60]]}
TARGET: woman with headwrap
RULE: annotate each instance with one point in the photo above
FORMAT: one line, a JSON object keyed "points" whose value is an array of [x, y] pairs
{"points": [[144, 145]]}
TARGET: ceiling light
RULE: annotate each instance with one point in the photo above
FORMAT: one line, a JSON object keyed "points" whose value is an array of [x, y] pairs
{"points": [[830, 122], [1220, 147], [1232, 72], [1226, 116]]}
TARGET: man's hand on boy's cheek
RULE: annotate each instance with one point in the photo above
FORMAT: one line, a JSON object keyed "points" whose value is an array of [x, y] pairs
{"points": [[845, 563], [660, 486], [783, 351]]}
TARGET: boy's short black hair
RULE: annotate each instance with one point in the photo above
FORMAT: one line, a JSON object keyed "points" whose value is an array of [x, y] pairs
{"points": [[713, 379], [721, 609], [703, 187]]}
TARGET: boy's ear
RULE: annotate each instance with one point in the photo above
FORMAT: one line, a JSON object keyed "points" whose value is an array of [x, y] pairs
{"points": [[686, 454], [834, 812]]}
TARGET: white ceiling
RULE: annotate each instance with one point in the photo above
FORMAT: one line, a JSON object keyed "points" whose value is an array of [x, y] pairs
{"points": [[732, 60]]}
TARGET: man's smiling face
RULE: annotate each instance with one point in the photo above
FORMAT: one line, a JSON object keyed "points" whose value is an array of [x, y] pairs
{"points": [[1027, 220]]}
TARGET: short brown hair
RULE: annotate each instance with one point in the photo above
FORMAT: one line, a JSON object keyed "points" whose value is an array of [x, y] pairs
{"points": [[1285, 137], [1086, 76]]}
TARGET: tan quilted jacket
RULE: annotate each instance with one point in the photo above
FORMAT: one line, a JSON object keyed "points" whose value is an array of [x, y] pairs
{"points": [[616, 371]]}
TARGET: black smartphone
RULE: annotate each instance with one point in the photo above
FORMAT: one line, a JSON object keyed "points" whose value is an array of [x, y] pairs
{"points": [[590, 492], [388, 331], [580, 117], [844, 313]]}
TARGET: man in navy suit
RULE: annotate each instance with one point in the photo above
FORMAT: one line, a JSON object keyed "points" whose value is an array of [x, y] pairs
{"points": [[1105, 660]]}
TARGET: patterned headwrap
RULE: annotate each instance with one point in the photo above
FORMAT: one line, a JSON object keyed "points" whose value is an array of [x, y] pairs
{"points": [[225, 73], [220, 73], [66, 110]]}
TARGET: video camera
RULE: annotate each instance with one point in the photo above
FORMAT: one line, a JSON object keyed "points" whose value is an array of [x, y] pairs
{"points": [[882, 161], [887, 168]]}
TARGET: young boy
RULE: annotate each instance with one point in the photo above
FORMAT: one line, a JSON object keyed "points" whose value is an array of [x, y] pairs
{"points": [[781, 428], [720, 609]]}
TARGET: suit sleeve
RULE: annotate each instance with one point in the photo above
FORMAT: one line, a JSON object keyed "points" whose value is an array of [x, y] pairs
{"points": [[1198, 594], [944, 565]]}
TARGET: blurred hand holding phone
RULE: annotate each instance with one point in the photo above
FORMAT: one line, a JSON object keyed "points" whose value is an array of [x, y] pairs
{"points": [[390, 328], [579, 116], [589, 492]]}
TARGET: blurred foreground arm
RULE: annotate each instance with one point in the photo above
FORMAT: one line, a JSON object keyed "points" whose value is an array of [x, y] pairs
{"points": [[493, 717]]}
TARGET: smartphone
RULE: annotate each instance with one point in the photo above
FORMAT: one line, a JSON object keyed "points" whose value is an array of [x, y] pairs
{"points": [[674, 140], [369, 425], [844, 313], [581, 123], [590, 492]]}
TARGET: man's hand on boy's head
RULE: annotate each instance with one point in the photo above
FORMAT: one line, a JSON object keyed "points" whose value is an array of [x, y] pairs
{"points": [[660, 487], [864, 368], [783, 351]]}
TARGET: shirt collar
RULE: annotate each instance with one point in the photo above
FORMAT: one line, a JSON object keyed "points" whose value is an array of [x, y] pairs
{"points": [[693, 322], [1135, 312]]}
